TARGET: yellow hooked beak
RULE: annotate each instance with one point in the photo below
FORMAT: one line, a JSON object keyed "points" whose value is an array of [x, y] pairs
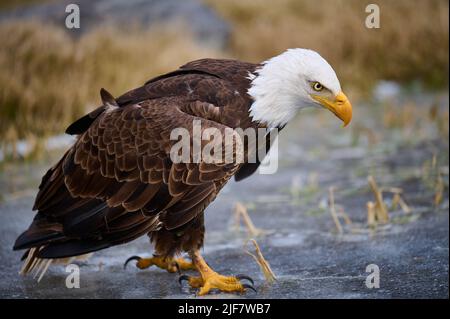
{"points": [[341, 107]]}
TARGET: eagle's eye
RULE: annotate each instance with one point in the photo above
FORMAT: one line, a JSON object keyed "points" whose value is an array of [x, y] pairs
{"points": [[317, 86]]}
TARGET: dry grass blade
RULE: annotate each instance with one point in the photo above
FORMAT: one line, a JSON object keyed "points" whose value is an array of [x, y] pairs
{"points": [[439, 190], [344, 216], [397, 200], [333, 211], [240, 211], [403, 205], [432, 177], [380, 207], [371, 215], [262, 262]]}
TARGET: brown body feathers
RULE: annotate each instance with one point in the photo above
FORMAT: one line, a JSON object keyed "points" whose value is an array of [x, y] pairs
{"points": [[117, 182]]}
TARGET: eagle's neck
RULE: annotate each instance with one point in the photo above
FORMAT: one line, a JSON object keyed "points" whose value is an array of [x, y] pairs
{"points": [[273, 102]]}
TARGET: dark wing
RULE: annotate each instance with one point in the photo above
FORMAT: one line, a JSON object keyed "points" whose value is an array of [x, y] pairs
{"points": [[213, 80], [82, 124], [248, 169], [118, 181], [157, 87]]}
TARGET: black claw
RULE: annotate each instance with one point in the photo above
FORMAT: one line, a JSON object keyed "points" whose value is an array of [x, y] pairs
{"points": [[249, 287], [183, 277], [130, 259], [240, 277]]}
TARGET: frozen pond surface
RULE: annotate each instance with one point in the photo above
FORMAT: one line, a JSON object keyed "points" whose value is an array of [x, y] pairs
{"points": [[306, 254], [309, 260]]}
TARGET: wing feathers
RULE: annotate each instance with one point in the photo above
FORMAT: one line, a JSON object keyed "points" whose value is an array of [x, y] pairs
{"points": [[118, 182]]}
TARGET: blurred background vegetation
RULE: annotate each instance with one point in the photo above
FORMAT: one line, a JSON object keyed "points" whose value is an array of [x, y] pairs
{"points": [[49, 78], [412, 43], [324, 193]]}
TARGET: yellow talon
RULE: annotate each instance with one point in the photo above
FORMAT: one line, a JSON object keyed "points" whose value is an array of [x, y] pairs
{"points": [[168, 263], [209, 279], [223, 283], [195, 282]]}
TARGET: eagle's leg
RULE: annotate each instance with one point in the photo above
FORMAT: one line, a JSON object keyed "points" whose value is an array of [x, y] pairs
{"points": [[209, 279], [168, 263]]}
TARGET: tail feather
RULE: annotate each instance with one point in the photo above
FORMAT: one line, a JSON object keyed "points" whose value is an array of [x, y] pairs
{"points": [[37, 267], [30, 239], [32, 264]]}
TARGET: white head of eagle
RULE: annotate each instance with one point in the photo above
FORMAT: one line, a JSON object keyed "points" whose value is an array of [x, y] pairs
{"points": [[293, 80]]}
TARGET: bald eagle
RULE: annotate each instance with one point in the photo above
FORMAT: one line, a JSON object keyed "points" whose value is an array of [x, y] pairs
{"points": [[118, 182]]}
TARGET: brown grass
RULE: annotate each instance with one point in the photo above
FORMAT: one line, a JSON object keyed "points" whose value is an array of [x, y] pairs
{"points": [[333, 211], [48, 79], [412, 42], [262, 262], [12, 4], [382, 214], [240, 211]]}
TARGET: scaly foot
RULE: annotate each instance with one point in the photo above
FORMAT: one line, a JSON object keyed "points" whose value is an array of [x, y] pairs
{"points": [[168, 263], [209, 279], [217, 281]]}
